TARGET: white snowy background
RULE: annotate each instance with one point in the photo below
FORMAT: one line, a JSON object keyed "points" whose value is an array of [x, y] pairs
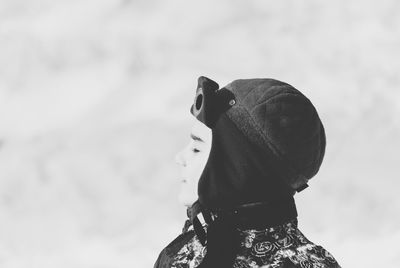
{"points": [[94, 103]]}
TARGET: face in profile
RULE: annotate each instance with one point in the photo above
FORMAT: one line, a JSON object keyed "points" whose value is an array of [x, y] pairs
{"points": [[192, 160]]}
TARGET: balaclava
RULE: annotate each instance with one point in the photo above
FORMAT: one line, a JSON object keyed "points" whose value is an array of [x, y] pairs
{"points": [[267, 142]]}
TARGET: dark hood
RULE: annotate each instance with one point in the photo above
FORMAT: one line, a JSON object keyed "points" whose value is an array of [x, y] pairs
{"points": [[267, 141]]}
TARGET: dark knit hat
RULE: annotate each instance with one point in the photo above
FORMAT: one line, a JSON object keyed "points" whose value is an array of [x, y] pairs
{"points": [[268, 141]]}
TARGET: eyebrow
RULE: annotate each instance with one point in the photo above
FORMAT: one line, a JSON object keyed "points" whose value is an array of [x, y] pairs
{"points": [[196, 138]]}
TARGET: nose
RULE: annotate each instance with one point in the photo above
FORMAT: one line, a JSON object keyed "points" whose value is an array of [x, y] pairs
{"points": [[179, 159]]}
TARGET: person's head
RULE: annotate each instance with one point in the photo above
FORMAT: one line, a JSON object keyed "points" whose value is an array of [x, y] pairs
{"points": [[192, 160], [267, 141]]}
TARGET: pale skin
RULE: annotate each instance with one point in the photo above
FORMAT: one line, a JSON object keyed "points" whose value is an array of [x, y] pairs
{"points": [[192, 160]]}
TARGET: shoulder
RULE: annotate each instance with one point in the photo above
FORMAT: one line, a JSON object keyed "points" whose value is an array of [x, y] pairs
{"points": [[283, 247], [184, 251]]}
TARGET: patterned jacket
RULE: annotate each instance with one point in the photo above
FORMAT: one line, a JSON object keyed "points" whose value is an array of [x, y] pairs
{"points": [[283, 246]]}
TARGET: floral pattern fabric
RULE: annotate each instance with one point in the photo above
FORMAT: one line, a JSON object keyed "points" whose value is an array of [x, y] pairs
{"points": [[283, 246], [190, 255]]}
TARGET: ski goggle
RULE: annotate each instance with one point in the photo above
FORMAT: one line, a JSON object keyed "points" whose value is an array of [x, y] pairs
{"points": [[210, 101]]}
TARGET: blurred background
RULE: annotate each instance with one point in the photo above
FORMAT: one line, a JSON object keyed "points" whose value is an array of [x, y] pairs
{"points": [[94, 104]]}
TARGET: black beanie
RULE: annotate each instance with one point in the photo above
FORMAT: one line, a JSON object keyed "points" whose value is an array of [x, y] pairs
{"points": [[267, 141]]}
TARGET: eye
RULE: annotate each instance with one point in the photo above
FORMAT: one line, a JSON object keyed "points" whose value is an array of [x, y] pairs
{"points": [[195, 150]]}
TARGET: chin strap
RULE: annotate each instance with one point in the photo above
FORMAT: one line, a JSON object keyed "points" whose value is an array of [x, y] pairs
{"points": [[199, 220], [301, 188], [260, 215]]}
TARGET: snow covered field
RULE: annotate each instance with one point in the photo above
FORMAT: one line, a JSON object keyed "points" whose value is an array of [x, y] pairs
{"points": [[94, 103]]}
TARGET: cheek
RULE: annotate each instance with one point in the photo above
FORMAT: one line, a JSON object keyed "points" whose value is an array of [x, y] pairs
{"points": [[198, 165], [194, 169], [193, 173]]}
